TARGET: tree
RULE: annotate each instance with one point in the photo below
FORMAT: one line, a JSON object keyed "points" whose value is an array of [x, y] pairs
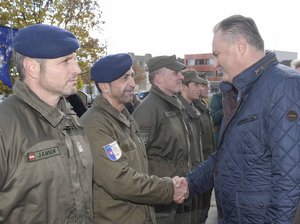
{"points": [[79, 16], [140, 76]]}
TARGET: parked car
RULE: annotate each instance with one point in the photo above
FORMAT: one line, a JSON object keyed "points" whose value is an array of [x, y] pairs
{"points": [[141, 95]]}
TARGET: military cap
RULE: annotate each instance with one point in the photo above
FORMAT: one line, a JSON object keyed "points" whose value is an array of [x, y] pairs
{"points": [[192, 76], [202, 75], [111, 67], [168, 62], [45, 41]]}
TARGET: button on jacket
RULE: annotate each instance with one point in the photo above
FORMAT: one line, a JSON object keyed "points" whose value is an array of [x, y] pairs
{"points": [[123, 190], [45, 162]]}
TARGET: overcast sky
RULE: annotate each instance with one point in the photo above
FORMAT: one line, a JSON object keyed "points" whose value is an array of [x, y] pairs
{"points": [[165, 27]]}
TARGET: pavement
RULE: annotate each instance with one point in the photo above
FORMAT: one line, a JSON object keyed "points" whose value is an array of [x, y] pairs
{"points": [[212, 213]]}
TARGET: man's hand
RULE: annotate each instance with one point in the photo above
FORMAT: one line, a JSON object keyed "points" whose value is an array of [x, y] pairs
{"points": [[181, 190]]}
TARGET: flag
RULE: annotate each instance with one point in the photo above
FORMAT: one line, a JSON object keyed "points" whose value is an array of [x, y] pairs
{"points": [[6, 37]]}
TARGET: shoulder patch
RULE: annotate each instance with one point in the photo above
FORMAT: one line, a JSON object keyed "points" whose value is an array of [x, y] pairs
{"points": [[292, 115], [113, 151]]}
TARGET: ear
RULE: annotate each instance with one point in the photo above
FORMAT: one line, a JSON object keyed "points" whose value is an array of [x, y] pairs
{"points": [[31, 67], [105, 87], [158, 78], [183, 87], [242, 45]]}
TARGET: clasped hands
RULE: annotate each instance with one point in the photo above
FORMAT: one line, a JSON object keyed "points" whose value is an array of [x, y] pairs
{"points": [[181, 190]]}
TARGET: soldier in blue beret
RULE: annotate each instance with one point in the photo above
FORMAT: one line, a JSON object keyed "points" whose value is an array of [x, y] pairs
{"points": [[123, 191], [45, 162]]}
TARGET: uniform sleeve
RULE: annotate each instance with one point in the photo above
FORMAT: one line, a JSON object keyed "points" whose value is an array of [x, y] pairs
{"points": [[147, 121], [3, 163], [200, 179], [284, 128], [118, 179]]}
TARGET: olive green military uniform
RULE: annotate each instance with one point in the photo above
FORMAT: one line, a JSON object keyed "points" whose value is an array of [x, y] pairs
{"points": [[207, 131], [208, 146], [45, 162], [123, 190], [165, 134], [193, 122]]}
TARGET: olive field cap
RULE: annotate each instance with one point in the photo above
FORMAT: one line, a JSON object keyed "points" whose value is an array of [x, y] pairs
{"points": [[45, 41], [202, 75], [192, 76], [111, 67], [168, 62]]}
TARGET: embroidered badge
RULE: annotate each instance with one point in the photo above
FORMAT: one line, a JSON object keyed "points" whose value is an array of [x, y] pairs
{"points": [[113, 151], [42, 154], [145, 137], [292, 115], [79, 147]]}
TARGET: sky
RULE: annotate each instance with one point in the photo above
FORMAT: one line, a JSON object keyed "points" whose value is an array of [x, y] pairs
{"points": [[167, 27]]}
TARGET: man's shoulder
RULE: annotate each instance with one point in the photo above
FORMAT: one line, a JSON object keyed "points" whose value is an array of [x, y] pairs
{"points": [[92, 116]]}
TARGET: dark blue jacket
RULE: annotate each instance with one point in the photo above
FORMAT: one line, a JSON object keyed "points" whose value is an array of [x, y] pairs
{"points": [[256, 170]]}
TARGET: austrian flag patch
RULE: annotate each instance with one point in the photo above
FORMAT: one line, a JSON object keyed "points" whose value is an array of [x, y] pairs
{"points": [[42, 154], [113, 151]]}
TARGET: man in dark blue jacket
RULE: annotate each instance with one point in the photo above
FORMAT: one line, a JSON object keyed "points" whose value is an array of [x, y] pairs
{"points": [[256, 170]]}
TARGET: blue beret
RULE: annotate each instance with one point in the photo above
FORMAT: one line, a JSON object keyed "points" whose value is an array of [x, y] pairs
{"points": [[45, 41], [111, 67]]}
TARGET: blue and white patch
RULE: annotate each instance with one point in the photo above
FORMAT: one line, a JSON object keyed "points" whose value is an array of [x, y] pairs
{"points": [[113, 151]]}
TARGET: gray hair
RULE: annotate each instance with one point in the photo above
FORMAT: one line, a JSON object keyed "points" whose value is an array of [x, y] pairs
{"points": [[19, 58], [152, 75], [237, 26], [295, 63]]}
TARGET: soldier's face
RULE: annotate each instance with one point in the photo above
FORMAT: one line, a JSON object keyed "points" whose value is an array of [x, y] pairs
{"points": [[204, 90], [122, 89], [170, 81], [59, 76], [192, 91]]}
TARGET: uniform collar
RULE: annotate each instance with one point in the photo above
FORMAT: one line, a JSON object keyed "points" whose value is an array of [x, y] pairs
{"points": [[123, 116], [170, 99], [51, 114], [190, 109]]}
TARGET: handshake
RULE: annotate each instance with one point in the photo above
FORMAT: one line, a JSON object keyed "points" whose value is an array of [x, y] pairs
{"points": [[181, 189]]}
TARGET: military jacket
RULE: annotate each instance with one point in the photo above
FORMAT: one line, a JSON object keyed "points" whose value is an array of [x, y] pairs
{"points": [[193, 122], [45, 162], [160, 118], [207, 132], [123, 190]]}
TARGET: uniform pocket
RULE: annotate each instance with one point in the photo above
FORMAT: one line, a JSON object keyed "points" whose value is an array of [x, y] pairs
{"points": [[127, 145]]}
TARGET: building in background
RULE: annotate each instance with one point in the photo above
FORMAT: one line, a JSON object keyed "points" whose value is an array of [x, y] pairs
{"points": [[205, 63]]}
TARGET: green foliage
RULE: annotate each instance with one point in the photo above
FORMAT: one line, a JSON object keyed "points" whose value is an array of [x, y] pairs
{"points": [[79, 16]]}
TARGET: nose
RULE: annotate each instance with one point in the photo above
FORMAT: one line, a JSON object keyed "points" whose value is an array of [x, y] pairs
{"points": [[76, 68], [180, 76], [131, 81]]}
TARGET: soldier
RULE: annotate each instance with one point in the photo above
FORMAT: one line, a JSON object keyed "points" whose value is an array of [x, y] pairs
{"points": [[207, 136], [160, 117], [123, 190], [45, 162], [191, 90]]}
